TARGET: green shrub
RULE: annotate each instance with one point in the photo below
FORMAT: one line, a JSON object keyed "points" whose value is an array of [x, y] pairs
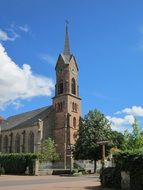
{"points": [[77, 174], [129, 161], [74, 171], [16, 163], [132, 162], [2, 171], [136, 180], [111, 177]]}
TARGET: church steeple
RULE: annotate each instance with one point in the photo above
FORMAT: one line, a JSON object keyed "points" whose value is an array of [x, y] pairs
{"points": [[66, 44], [66, 102]]}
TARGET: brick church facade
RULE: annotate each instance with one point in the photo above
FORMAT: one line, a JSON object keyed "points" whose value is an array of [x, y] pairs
{"points": [[26, 131]]}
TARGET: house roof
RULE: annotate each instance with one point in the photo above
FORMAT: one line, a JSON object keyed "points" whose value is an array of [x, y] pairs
{"points": [[26, 119]]}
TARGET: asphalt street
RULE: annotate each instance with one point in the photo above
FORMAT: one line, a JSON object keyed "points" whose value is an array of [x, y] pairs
{"points": [[90, 182], [43, 181]]}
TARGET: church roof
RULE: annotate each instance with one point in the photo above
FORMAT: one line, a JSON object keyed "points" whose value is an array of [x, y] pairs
{"points": [[25, 119]]}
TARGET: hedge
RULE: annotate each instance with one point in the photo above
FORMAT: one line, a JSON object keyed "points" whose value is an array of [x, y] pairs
{"points": [[125, 161], [111, 177], [132, 162], [17, 163], [129, 161]]}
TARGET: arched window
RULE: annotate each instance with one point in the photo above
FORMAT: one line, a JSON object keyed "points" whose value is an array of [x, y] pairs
{"points": [[24, 138], [17, 143], [31, 142], [72, 106], [73, 86], [60, 87], [5, 144], [11, 142], [74, 122], [75, 107]]}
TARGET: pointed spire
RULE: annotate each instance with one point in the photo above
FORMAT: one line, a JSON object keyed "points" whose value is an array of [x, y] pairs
{"points": [[66, 45]]}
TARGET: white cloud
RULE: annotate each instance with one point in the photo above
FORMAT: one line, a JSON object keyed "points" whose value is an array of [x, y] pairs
{"points": [[20, 83], [126, 118], [121, 124], [134, 110], [11, 34], [24, 28], [4, 36]]}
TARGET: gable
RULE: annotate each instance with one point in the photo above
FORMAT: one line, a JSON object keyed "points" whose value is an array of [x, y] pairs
{"points": [[60, 62], [73, 62], [65, 60]]}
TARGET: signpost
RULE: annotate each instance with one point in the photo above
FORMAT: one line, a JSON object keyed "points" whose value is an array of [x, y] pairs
{"points": [[71, 148]]}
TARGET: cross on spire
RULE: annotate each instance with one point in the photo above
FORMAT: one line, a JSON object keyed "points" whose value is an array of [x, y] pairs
{"points": [[66, 44]]}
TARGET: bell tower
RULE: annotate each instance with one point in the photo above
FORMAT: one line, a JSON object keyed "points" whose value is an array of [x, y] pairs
{"points": [[66, 102]]}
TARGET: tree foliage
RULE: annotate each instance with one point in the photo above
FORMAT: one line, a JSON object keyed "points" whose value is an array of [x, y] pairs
{"points": [[133, 141], [131, 161], [48, 151], [93, 128], [117, 139]]}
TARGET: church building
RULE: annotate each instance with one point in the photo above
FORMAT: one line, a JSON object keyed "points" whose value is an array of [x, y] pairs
{"points": [[25, 132]]}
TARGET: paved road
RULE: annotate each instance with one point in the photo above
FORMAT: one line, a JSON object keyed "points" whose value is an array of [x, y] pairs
{"points": [[49, 183]]}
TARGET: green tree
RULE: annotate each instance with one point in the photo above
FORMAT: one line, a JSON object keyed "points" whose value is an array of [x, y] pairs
{"points": [[133, 141], [126, 141], [48, 151], [117, 139], [93, 128]]}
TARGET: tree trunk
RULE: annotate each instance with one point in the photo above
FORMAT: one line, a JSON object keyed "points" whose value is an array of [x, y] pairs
{"points": [[94, 166]]}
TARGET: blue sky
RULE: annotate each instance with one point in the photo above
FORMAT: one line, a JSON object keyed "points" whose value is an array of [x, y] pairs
{"points": [[106, 36]]}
